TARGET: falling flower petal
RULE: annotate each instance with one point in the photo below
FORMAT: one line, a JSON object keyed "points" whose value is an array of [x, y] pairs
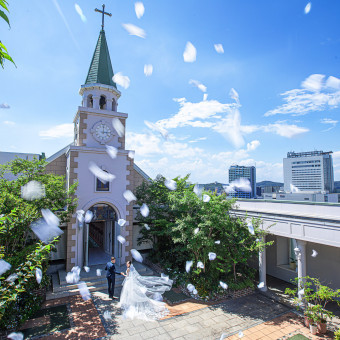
{"points": [[308, 7], [45, 232], [199, 85], [200, 264], [121, 239], [166, 277], [190, 287], [148, 69], [293, 188], [315, 253], [219, 48], [102, 175], [212, 256], [139, 9], [134, 30], [12, 278], [197, 190], [33, 190], [80, 215], [121, 222], [170, 184], [72, 277], [118, 126], [223, 285], [80, 12], [205, 96], [15, 336], [157, 297], [131, 154], [99, 272], [4, 266], [240, 334], [234, 95], [112, 151], [188, 265], [218, 242], [189, 54], [123, 81], [195, 292], [84, 291], [196, 230], [206, 198], [87, 269], [146, 227], [38, 275], [49, 217], [156, 127], [107, 315], [136, 255], [301, 292], [144, 210], [242, 184], [251, 229], [260, 285], [88, 216], [129, 196]]}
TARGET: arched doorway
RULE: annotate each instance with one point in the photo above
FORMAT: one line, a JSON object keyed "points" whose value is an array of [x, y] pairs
{"points": [[100, 235]]}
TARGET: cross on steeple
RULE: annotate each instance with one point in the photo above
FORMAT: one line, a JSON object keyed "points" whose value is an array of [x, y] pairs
{"points": [[103, 12]]}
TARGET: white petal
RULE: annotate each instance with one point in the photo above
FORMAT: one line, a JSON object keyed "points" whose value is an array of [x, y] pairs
{"points": [[234, 95], [121, 222], [251, 229], [33, 190], [195, 292], [188, 265], [170, 184], [223, 336], [223, 285], [15, 336], [118, 126], [102, 175], [139, 9], [315, 253], [260, 285], [4, 266], [131, 154], [196, 230], [166, 277], [99, 272], [218, 242], [107, 315], [144, 210], [240, 334], [88, 216], [49, 217], [84, 291], [136, 255], [80, 12], [129, 196], [45, 232], [121, 239], [308, 7], [200, 264], [12, 278], [146, 227], [72, 278], [197, 190], [134, 30], [206, 198], [293, 188], [112, 151], [212, 256], [38, 275], [189, 54], [190, 287], [199, 85], [219, 48], [148, 69], [205, 96], [242, 184], [301, 292], [87, 269]]}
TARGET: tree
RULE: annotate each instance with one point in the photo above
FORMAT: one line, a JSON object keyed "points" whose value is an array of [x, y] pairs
{"points": [[19, 246], [184, 228], [3, 50]]}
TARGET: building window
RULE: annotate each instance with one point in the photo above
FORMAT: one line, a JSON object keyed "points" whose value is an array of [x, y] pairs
{"points": [[100, 186], [102, 103]]}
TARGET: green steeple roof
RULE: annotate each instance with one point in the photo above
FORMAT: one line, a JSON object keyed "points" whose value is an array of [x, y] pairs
{"points": [[100, 71]]}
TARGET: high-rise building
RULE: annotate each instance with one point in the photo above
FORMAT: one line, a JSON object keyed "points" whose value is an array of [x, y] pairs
{"points": [[247, 172], [308, 171]]}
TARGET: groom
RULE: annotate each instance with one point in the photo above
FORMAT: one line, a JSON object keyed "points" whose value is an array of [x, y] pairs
{"points": [[111, 277]]}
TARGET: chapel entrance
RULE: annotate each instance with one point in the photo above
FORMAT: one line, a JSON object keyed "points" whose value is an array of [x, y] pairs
{"points": [[101, 235]]}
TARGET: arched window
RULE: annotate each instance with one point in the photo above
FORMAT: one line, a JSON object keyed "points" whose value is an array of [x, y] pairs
{"points": [[102, 103], [89, 101], [114, 105], [100, 186]]}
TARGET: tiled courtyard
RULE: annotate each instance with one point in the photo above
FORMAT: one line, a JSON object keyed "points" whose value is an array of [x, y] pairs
{"points": [[255, 315]]}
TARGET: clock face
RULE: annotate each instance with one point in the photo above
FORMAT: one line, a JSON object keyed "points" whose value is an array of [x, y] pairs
{"points": [[102, 132]]}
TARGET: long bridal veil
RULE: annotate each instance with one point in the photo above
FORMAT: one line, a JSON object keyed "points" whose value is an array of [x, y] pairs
{"points": [[141, 296]]}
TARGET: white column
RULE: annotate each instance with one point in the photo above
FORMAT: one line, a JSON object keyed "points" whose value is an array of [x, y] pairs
{"points": [[263, 267], [96, 102], [300, 253]]}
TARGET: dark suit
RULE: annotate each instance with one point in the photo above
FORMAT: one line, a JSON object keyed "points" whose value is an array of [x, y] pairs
{"points": [[111, 277]]}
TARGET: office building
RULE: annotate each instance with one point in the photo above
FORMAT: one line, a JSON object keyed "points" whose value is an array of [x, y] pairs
{"points": [[308, 171], [248, 172]]}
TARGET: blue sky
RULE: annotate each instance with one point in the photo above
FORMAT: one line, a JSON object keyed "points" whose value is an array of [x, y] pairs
{"points": [[282, 63]]}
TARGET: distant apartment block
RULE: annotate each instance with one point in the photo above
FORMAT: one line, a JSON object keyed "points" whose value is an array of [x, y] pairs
{"points": [[247, 172], [309, 171]]}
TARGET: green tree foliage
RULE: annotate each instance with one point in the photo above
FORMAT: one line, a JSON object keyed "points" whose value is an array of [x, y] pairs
{"points": [[174, 217], [3, 50], [19, 246]]}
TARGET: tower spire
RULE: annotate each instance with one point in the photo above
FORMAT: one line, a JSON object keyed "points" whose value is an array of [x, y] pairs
{"points": [[103, 13]]}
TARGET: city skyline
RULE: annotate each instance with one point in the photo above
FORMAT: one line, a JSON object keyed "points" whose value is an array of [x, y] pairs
{"points": [[275, 88]]}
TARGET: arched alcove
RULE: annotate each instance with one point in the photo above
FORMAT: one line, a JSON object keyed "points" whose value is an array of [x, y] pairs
{"points": [[102, 102], [89, 102], [114, 105]]}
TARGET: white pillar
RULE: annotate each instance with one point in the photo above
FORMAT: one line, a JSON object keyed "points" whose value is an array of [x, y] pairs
{"points": [[96, 102], [263, 267], [300, 253]]}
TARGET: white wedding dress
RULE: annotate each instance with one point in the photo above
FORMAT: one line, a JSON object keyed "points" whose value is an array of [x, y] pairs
{"points": [[141, 296]]}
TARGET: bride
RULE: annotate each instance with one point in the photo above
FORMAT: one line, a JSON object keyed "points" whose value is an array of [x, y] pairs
{"points": [[141, 296]]}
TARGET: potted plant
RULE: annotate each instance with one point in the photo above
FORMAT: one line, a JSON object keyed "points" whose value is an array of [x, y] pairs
{"points": [[313, 328], [308, 316], [292, 263]]}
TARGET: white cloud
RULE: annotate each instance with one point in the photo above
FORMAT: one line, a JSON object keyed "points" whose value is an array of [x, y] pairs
{"points": [[253, 145], [144, 144], [9, 123], [197, 140], [285, 130], [4, 106], [58, 131], [315, 95], [199, 85], [329, 121]]}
